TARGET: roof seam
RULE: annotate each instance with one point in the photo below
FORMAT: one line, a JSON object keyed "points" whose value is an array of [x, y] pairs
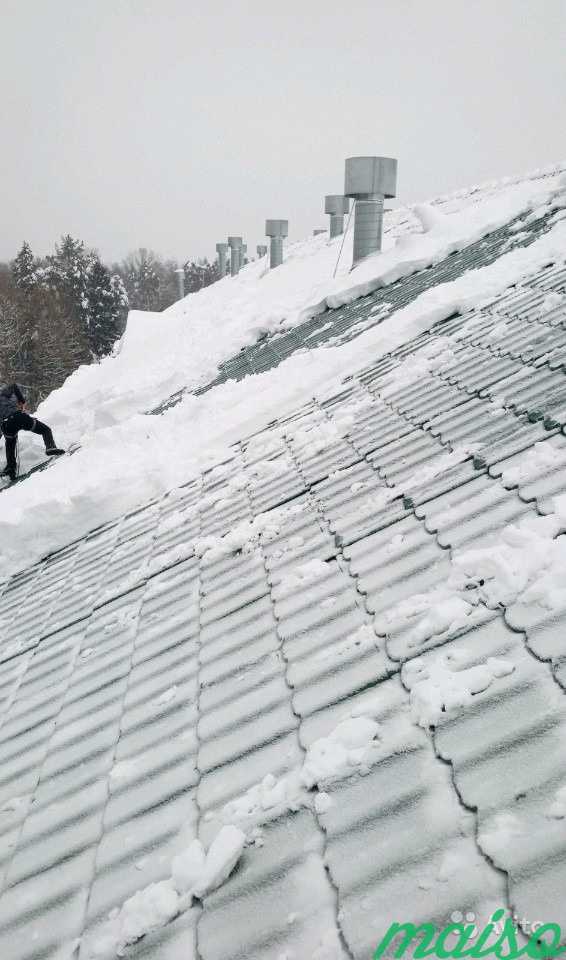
{"points": [[322, 833]]}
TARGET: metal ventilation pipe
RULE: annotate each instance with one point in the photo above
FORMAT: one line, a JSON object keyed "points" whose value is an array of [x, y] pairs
{"points": [[337, 206], [180, 271], [276, 230], [222, 251], [369, 180], [235, 244], [261, 250]]}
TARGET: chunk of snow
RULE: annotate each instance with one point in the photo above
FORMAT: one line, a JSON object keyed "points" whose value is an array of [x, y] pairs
{"points": [[347, 749], [147, 910], [271, 796], [539, 460], [499, 833], [223, 855], [302, 575], [244, 536], [525, 564], [351, 747], [440, 686], [438, 612], [194, 874], [187, 867]]}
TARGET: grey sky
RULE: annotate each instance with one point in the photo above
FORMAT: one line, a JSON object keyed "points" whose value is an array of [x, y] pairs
{"points": [[172, 123]]}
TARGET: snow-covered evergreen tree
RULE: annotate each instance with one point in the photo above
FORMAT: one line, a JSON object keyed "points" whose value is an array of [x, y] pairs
{"points": [[95, 299], [107, 304], [67, 272], [24, 268], [147, 282], [199, 273], [56, 314], [140, 273]]}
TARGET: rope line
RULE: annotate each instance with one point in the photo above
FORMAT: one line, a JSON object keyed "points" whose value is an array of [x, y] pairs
{"points": [[343, 238]]}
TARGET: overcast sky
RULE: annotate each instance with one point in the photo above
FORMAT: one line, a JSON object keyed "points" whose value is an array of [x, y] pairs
{"points": [[173, 123]]}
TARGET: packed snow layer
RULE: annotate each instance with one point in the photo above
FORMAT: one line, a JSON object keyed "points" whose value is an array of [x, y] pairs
{"points": [[128, 457]]}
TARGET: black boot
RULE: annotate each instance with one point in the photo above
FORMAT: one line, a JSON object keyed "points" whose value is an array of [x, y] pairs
{"points": [[9, 472], [50, 447]]}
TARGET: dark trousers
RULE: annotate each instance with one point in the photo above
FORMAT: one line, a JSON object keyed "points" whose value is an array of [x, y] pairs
{"points": [[22, 421]]}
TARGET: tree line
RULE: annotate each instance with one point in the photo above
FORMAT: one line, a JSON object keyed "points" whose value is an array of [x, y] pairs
{"points": [[69, 308], [152, 283]]}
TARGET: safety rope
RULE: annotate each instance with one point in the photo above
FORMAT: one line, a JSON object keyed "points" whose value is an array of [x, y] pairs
{"points": [[343, 238]]}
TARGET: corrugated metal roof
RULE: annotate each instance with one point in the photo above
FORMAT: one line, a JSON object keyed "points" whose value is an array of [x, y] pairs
{"points": [[145, 683]]}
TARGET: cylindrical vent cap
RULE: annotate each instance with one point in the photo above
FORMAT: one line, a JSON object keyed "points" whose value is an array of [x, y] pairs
{"points": [[370, 177], [276, 228], [336, 204]]}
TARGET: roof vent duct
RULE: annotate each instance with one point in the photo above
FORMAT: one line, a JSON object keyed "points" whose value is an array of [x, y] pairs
{"points": [[276, 230], [235, 244], [180, 271], [261, 250], [222, 251], [369, 180], [337, 206]]}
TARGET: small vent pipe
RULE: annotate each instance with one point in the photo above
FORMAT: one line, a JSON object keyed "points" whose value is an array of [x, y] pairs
{"points": [[337, 206], [222, 251], [369, 180], [276, 230], [235, 244], [261, 250], [180, 271]]}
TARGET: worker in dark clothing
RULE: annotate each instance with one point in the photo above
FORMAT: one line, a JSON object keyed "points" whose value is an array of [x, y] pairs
{"points": [[13, 418]]}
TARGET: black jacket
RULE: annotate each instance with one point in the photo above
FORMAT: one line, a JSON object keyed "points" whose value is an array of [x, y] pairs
{"points": [[10, 396]]}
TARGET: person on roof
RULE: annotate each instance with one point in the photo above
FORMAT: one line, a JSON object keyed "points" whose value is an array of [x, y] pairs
{"points": [[13, 418]]}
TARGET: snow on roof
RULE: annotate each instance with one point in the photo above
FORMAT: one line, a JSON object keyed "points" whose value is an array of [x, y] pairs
{"points": [[319, 686], [127, 457]]}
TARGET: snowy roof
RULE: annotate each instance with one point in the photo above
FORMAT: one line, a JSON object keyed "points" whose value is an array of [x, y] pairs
{"points": [[344, 642], [332, 326]]}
